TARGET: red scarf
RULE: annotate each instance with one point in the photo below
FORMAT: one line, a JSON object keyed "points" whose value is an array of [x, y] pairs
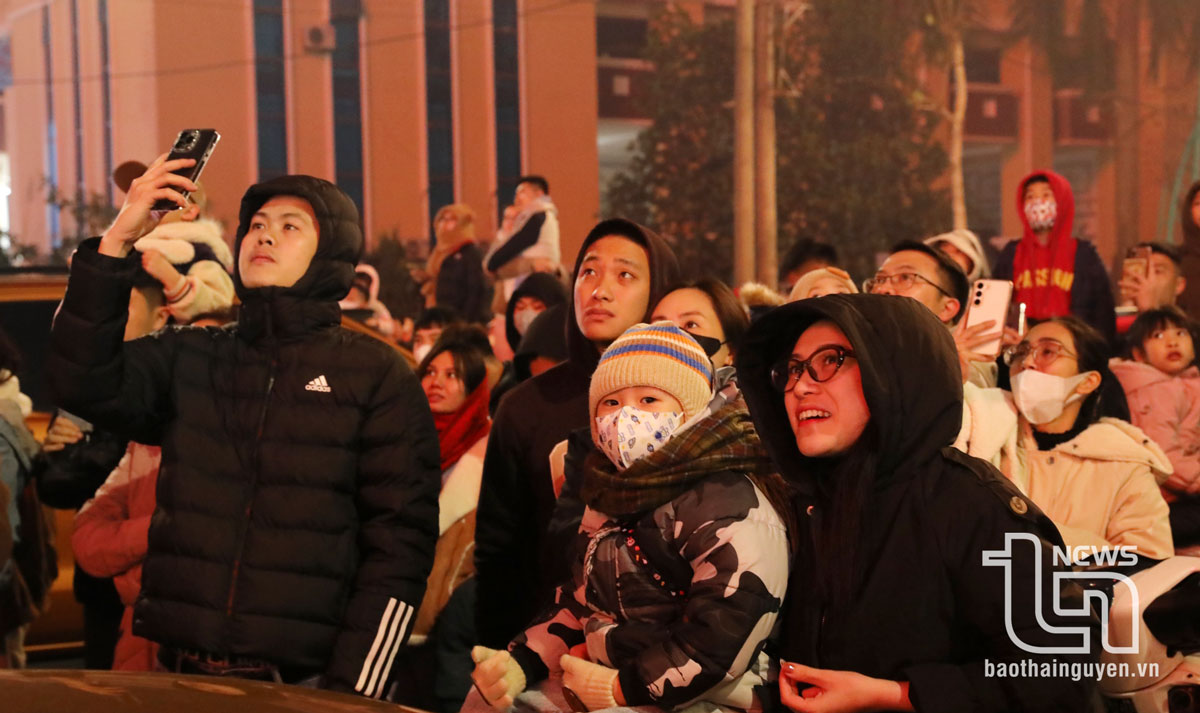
{"points": [[1043, 274], [460, 430]]}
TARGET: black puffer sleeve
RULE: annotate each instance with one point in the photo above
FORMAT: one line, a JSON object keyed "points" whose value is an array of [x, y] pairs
{"points": [[399, 475], [121, 386]]}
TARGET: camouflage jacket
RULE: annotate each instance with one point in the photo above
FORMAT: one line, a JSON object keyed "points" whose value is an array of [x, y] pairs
{"points": [[680, 600]]}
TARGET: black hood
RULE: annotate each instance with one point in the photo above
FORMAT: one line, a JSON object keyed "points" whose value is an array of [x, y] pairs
{"points": [[312, 301], [910, 376], [542, 285], [664, 272], [339, 242], [1191, 231], [543, 338]]}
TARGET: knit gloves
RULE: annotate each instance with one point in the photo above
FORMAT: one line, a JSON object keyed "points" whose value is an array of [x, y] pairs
{"points": [[591, 683], [498, 678]]}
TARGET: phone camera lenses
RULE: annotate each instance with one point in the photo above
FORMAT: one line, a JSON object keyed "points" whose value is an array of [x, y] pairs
{"points": [[186, 141], [978, 302]]}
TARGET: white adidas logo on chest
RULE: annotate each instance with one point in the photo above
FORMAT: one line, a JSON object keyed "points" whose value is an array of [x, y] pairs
{"points": [[318, 384]]}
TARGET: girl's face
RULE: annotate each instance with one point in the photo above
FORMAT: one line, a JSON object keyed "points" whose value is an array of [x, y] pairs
{"points": [[646, 398], [1168, 349], [692, 311], [443, 385], [827, 417]]}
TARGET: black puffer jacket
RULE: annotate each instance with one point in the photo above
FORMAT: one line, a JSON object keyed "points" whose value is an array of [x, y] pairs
{"points": [[297, 500], [925, 609], [517, 565]]}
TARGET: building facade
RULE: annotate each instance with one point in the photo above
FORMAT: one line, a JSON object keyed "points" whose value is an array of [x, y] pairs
{"points": [[406, 104]]}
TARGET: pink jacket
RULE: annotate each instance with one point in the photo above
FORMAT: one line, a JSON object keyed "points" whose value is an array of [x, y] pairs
{"points": [[1168, 409], [110, 541]]}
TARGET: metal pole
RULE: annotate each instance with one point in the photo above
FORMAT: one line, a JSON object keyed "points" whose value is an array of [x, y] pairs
{"points": [[743, 145]]}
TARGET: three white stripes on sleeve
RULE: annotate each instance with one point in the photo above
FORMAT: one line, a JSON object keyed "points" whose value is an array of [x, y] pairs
{"points": [[378, 663]]}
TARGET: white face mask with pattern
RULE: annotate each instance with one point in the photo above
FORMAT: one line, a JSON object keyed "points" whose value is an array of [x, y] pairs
{"points": [[630, 433], [1041, 214]]}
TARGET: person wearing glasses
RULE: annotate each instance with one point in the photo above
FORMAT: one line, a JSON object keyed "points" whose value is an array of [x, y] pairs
{"points": [[1063, 437], [931, 277], [889, 605]]}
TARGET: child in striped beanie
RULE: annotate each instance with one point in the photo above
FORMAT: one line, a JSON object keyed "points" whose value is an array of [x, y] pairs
{"points": [[651, 381], [682, 517]]}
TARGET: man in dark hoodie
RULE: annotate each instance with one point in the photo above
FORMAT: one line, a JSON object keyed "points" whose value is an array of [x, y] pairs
{"points": [[297, 499], [1189, 301], [622, 271], [1054, 273], [891, 603]]}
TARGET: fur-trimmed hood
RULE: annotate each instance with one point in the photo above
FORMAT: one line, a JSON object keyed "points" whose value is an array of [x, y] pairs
{"points": [[183, 242]]}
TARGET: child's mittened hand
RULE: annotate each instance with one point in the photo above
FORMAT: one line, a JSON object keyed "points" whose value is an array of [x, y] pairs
{"points": [[498, 678], [592, 683]]}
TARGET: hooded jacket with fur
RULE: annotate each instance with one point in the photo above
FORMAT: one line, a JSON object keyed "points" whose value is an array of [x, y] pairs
{"points": [[198, 251], [923, 608], [1091, 297], [517, 565], [297, 500]]}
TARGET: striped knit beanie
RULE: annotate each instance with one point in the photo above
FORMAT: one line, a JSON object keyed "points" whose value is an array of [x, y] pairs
{"points": [[659, 355]]}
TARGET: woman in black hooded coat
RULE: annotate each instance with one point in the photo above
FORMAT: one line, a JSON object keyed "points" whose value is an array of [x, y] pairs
{"points": [[889, 604]]}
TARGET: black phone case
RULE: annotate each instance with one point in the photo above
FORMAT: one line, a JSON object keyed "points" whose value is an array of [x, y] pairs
{"points": [[200, 150]]}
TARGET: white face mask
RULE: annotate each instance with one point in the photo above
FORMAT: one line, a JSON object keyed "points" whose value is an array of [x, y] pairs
{"points": [[1041, 214], [631, 433], [421, 351], [522, 318], [1042, 397]]}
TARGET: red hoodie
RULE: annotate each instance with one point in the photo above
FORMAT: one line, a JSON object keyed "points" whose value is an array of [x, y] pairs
{"points": [[1043, 274]]}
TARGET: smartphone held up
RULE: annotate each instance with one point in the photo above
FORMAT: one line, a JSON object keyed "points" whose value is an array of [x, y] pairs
{"points": [[196, 144]]}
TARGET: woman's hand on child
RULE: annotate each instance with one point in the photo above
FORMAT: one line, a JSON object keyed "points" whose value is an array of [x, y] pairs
{"points": [[137, 217], [813, 690], [497, 677]]}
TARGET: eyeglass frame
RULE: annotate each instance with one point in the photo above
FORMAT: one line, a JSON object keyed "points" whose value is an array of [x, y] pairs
{"points": [[807, 367], [884, 279], [1009, 355]]}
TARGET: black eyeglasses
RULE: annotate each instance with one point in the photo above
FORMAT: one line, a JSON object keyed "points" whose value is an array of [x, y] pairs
{"points": [[903, 281], [821, 366]]}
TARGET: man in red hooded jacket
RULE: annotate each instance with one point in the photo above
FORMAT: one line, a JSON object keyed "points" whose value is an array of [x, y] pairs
{"points": [[1053, 273]]}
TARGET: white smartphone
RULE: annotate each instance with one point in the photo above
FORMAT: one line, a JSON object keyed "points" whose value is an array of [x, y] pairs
{"points": [[989, 301]]}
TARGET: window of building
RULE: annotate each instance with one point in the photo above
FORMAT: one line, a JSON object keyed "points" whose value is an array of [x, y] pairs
{"points": [[346, 16], [269, 89], [80, 187], [52, 223], [621, 37], [508, 100], [439, 106], [982, 65]]}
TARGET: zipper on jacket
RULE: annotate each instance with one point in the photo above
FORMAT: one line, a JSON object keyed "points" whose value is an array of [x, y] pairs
{"points": [[245, 525], [815, 521]]}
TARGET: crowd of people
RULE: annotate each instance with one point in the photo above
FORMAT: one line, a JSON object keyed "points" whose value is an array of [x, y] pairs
{"points": [[617, 485]]}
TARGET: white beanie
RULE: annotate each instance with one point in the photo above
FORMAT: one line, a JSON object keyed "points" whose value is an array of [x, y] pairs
{"points": [[969, 244]]}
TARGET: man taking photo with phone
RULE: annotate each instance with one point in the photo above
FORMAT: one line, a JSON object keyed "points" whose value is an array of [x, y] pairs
{"points": [[297, 498]]}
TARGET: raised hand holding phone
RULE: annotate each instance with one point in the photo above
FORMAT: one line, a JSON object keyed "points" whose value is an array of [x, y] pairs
{"points": [[137, 216]]}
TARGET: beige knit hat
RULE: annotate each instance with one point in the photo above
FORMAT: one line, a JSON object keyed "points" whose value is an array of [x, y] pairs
{"points": [[803, 286], [659, 355]]}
